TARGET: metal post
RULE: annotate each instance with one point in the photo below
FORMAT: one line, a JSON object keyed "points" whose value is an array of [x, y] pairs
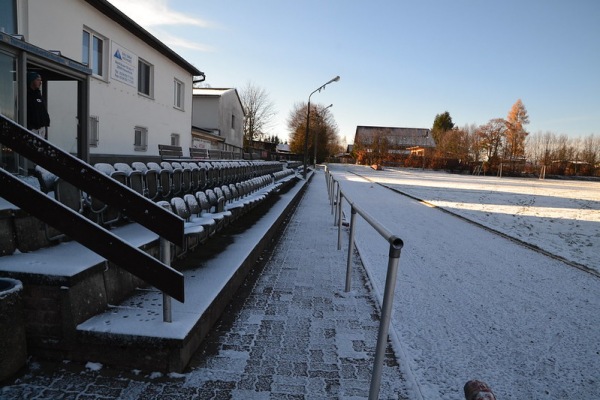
{"points": [[386, 313], [350, 251], [165, 257], [339, 219], [332, 194], [339, 198], [337, 78], [306, 138], [329, 183]]}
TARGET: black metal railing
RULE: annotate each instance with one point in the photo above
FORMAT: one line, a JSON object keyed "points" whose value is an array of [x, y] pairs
{"points": [[91, 235]]}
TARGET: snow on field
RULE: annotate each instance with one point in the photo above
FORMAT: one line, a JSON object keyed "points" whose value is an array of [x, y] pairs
{"points": [[561, 217], [472, 304]]}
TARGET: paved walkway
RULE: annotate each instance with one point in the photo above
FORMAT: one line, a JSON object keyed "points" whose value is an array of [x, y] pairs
{"points": [[294, 334]]}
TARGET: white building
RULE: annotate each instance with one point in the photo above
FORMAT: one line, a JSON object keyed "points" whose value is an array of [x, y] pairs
{"points": [[218, 118], [140, 91]]}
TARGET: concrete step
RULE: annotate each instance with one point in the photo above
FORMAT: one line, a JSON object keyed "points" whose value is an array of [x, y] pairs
{"points": [[132, 334]]}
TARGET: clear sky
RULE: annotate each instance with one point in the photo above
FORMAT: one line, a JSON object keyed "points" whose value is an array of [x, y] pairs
{"points": [[400, 62]]}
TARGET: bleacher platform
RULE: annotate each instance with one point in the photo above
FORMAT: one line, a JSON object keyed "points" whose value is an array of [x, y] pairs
{"points": [[67, 285]]}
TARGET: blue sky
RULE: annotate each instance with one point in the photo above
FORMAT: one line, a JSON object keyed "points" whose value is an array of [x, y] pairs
{"points": [[400, 62]]}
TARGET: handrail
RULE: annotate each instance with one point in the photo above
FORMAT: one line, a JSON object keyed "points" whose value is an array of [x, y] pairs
{"points": [[91, 235], [90, 180], [395, 250]]}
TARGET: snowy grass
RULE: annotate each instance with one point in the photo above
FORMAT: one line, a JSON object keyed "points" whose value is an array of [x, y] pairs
{"points": [[472, 304]]}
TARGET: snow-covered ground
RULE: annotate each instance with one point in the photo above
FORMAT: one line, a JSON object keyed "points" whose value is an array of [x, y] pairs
{"points": [[472, 304]]}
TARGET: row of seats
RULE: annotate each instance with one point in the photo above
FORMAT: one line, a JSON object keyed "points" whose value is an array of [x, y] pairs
{"points": [[171, 179], [160, 183], [209, 211]]}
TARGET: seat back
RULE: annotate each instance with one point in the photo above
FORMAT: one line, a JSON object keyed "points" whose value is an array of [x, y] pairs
{"points": [[176, 178], [203, 201], [180, 207], [194, 174], [105, 214], [46, 179], [163, 179], [192, 204], [135, 179]]}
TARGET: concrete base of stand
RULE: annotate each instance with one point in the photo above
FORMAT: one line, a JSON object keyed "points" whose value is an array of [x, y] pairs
{"points": [[13, 345]]}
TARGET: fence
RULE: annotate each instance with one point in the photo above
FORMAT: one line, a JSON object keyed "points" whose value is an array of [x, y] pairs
{"points": [[336, 195]]}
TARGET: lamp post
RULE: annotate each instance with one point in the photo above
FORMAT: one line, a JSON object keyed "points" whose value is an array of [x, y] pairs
{"points": [[316, 137], [337, 78]]}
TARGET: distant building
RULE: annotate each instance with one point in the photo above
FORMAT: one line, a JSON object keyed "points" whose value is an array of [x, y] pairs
{"points": [[283, 148], [380, 144], [217, 120]]}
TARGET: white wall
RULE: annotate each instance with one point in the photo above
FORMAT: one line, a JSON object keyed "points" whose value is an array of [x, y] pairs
{"points": [[230, 105], [59, 24], [206, 112], [213, 112]]}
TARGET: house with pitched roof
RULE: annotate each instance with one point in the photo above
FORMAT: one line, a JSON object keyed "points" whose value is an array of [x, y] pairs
{"points": [[376, 144], [218, 120], [140, 90]]}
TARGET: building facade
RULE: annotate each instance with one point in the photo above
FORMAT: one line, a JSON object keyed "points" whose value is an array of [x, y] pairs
{"points": [[219, 113], [378, 144], [140, 91]]}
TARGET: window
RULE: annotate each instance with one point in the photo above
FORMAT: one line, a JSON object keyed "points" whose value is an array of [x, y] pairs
{"points": [[145, 78], [232, 121], [94, 131], [92, 53], [175, 139], [8, 17], [140, 141], [8, 83], [178, 99]]}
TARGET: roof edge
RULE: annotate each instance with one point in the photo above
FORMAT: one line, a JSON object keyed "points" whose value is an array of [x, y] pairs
{"points": [[118, 16]]}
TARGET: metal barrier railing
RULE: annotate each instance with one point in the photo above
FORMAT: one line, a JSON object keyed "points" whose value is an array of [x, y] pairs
{"points": [[336, 195], [96, 238]]}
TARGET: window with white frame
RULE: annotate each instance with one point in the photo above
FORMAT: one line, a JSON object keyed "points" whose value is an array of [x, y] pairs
{"points": [[175, 139], [93, 52], [140, 141], [145, 78], [94, 131], [178, 94]]}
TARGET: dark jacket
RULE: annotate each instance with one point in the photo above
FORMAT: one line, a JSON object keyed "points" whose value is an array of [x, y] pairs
{"points": [[37, 115]]}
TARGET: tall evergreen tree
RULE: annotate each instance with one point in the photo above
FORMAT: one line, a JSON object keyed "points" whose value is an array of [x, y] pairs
{"points": [[441, 124]]}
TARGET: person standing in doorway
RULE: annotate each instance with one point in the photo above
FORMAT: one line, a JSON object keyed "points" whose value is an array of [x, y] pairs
{"points": [[38, 119]]}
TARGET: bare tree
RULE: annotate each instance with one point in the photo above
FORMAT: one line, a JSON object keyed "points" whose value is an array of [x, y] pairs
{"points": [[259, 111], [591, 150], [491, 136]]}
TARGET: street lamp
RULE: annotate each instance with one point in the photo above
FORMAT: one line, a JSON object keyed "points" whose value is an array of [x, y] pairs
{"points": [[337, 78], [317, 135]]}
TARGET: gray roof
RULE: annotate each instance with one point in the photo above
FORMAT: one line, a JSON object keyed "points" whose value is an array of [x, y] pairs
{"points": [[401, 137], [119, 17]]}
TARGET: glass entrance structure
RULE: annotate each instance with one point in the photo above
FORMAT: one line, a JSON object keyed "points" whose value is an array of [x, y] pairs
{"points": [[60, 75]]}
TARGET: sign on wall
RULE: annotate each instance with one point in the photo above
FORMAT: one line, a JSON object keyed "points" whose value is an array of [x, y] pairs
{"points": [[124, 65]]}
